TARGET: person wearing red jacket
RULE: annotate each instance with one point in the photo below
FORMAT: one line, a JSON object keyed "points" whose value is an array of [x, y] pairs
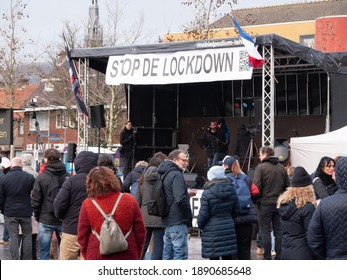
{"points": [[104, 188]]}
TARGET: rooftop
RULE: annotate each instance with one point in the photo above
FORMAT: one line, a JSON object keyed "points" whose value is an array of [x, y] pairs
{"points": [[304, 11]]}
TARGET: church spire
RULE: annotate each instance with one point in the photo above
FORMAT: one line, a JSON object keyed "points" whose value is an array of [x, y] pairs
{"points": [[93, 37]]}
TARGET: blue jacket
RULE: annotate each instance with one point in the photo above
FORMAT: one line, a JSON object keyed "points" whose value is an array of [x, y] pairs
{"points": [[176, 193], [218, 205], [250, 217]]}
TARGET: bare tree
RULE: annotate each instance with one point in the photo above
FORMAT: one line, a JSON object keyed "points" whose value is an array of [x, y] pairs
{"points": [[112, 97], [206, 10], [12, 57]]}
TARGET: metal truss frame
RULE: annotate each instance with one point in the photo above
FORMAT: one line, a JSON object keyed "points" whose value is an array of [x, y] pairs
{"points": [[82, 141], [268, 96]]}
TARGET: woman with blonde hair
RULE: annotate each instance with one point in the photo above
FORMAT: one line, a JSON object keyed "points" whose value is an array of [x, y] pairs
{"points": [[104, 188], [296, 206]]}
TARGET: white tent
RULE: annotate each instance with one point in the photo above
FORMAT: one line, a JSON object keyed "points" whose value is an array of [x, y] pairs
{"points": [[307, 151]]}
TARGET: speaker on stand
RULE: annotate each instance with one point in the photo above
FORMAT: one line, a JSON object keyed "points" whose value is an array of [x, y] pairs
{"points": [[281, 147], [97, 115]]}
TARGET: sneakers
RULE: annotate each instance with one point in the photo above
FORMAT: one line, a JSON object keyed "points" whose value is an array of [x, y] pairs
{"points": [[273, 253], [2, 242], [259, 251]]}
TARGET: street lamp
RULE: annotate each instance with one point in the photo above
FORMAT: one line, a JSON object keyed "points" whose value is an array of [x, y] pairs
{"points": [[37, 127]]}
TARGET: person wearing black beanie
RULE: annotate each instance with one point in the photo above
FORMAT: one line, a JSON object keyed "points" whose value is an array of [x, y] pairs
{"points": [[296, 207]]}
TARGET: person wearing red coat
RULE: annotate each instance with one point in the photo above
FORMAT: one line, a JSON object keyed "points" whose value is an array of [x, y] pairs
{"points": [[103, 186]]}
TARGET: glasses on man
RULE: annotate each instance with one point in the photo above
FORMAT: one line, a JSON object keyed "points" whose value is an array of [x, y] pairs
{"points": [[183, 159]]}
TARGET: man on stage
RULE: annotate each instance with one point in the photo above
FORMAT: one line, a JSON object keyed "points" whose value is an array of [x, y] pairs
{"points": [[127, 140]]}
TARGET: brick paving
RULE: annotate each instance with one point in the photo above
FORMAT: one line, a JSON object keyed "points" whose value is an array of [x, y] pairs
{"points": [[194, 246]]}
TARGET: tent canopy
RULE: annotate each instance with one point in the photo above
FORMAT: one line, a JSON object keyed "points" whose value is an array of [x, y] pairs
{"points": [[307, 151]]}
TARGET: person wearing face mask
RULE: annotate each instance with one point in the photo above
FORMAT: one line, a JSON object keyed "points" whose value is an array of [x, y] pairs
{"points": [[323, 183], [180, 217]]}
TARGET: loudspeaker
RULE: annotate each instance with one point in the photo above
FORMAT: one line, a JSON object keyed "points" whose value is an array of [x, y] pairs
{"points": [[281, 147], [71, 152], [97, 116]]}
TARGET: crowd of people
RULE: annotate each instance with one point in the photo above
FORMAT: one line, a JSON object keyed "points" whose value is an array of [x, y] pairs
{"points": [[305, 213]]}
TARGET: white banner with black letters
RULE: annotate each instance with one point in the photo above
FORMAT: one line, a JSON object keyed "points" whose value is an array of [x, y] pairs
{"points": [[220, 64]]}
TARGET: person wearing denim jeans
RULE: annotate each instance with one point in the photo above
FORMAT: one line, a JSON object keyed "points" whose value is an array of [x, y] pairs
{"points": [[5, 235], [176, 242], [45, 238], [48, 222], [178, 220]]}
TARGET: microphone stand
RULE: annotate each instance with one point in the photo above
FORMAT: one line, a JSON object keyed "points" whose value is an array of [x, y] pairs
{"points": [[133, 152]]}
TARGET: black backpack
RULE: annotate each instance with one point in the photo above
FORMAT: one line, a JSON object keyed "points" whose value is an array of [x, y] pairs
{"points": [[53, 189], [158, 206]]}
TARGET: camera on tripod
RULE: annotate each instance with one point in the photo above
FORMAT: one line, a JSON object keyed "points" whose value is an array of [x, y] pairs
{"points": [[253, 130]]}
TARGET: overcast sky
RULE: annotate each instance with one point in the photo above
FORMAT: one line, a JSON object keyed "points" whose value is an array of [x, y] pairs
{"points": [[46, 17]]}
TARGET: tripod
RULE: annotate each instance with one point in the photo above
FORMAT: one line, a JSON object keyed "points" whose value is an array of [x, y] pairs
{"points": [[249, 155]]}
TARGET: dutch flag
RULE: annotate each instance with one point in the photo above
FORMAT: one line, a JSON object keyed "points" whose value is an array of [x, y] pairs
{"points": [[255, 59]]}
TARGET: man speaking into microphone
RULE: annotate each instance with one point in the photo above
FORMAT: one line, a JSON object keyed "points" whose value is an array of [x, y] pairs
{"points": [[127, 140]]}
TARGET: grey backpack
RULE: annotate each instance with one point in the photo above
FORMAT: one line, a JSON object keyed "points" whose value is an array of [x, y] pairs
{"points": [[112, 240]]}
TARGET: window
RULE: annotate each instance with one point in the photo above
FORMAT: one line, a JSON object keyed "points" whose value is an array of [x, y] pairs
{"points": [[58, 119], [21, 127], [41, 119], [68, 120], [49, 86], [307, 40]]}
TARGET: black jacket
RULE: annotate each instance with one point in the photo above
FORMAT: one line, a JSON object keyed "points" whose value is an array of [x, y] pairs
{"points": [[272, 179], [132, 177], [15, 190], [176, 193], [127, 140], [294, 226], [39, 194], [68, 202]]}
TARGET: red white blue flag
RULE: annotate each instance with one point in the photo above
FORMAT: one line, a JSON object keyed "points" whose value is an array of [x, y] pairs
{"points": [[255, 59], [75, 85]]}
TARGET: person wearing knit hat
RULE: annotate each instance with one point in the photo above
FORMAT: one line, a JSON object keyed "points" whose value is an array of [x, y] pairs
{"points": [[218, 206], [296, 207], [301, 178], [327, 231], [215, 172]]}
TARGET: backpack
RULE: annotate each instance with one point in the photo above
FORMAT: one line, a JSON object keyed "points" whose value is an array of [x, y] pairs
{"points": [[157, 205], [52, 190], [133, 188], [243, 192], [112, 240]]}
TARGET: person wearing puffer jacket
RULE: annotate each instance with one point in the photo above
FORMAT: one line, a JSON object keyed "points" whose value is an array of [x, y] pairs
{"points": [[68, 202], [219, 203], [327, 230]]}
